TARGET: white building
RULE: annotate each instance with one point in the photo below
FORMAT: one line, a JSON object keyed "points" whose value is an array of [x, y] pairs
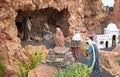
{"points": [[109, 38]]}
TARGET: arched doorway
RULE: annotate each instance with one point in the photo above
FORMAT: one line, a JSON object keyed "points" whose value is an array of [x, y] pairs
{"points": [[113, 40], [106, 44]]}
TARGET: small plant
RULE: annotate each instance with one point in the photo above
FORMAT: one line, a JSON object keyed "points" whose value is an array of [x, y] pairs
{"points": [[75, 70], [2, 67], [25, 67], [100, 15]]}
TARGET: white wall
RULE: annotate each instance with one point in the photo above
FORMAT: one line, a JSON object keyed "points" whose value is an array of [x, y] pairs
{"points": [[103, 38], [108, 2], [108, 36]]}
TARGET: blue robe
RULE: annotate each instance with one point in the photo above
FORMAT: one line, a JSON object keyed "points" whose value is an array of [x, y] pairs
{"points": [[95, 59]]}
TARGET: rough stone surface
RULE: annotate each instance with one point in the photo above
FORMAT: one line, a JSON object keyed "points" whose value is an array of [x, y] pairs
{"points": [[59, 57], [43, 70], [108, 61], [8, 13], [117, 48], [116, 15], [9, 43], [93, 15], [77, 9]]}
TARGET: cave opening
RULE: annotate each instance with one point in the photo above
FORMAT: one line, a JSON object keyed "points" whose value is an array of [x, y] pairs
{"points": [[39, 18]]}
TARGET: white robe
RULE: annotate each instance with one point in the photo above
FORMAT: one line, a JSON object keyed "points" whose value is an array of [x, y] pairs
{"points": [[76, 37]]}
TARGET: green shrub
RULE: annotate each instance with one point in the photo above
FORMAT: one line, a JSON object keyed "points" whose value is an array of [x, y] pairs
{"points": [[2, 67], [35, 59], [75, 70]]}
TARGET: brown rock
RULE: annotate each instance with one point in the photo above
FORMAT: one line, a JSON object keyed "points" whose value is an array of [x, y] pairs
{"points": [[92, 10], [10, 73], [116, 15], [116, 50], [14, 44], [43, 70], [11, 31], [109, 62], [108, 59], [10, 44], [60, 57], [4, 13], [61, 50]]}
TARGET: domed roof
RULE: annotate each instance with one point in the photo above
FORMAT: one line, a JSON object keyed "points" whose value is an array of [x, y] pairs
{"points": [[112, 26]]}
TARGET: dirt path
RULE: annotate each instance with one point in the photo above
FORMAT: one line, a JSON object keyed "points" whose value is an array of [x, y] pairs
{"points": [[83, 59]]}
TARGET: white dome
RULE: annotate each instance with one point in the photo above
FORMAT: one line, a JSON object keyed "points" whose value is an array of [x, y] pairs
{"points": [[112, 26]]}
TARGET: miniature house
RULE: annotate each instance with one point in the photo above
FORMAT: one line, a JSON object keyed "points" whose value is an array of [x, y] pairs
{"points": [[109, 38]]}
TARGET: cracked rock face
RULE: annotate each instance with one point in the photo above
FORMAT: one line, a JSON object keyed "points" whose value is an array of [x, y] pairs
{"points": [[60, 57], [43, 70], [9, 42], [93, 15], [109, 60], [83, 15], [116, 14]]}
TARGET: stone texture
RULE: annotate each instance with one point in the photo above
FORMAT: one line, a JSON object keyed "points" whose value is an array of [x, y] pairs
{"points": [[9, 43], [60, 57], [113, 16], [60, 50], [116, 15], [43, 70], [93, 15], [108, 61], [77, 9], [10, 73], [116, 50]]}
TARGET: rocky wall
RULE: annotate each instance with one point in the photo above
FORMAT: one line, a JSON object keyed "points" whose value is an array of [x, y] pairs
{"points": [[109, 61], [84, 14], [116, 14], [10, 43], [93, 15], [113, 16]]}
